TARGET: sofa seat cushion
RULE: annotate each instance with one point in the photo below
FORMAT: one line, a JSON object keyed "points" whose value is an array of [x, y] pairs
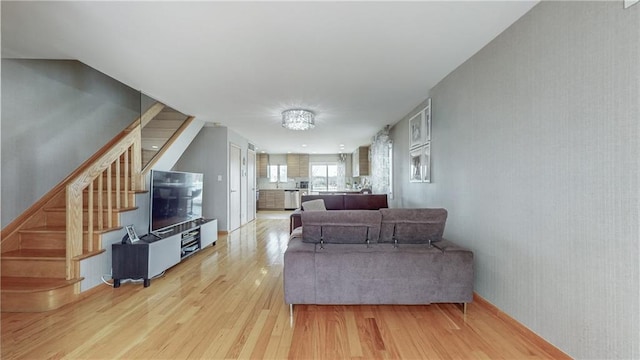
{"points": [[296, 234], [412, 226], [341, 226], [382, 274]]}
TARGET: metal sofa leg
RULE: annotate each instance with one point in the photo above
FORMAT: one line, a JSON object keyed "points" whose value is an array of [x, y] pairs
{"points": [[291, 315]]}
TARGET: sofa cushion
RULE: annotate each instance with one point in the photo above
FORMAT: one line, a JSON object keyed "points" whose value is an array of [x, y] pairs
{"points": [[314, 205], [412, 226], [296, 233], [341, 226]]}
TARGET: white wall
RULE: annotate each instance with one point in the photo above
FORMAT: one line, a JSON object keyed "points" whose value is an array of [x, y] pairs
{"points": [[535, 155]]}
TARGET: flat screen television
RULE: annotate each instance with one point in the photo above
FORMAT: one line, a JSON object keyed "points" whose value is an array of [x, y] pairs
{"points": [[176, 198]]}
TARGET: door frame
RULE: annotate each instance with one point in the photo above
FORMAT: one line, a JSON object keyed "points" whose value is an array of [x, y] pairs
{"points": [[239, 190], [251, 190]]}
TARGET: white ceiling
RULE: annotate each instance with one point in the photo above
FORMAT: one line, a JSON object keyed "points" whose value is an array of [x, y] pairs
{"points": [[358, 65]]}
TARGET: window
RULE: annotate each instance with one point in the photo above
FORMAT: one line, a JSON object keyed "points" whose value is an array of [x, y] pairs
{"points": [[277, 173], [324, 177]]}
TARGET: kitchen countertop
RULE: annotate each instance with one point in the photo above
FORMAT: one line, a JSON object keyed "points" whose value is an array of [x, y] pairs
{"points": [[287, 189], [339, 192]]}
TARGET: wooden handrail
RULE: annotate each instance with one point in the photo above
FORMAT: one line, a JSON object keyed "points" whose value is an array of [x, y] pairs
{"points": [[129, 144], [154, 110], [14, 226], [11, 228], [167, 145]]}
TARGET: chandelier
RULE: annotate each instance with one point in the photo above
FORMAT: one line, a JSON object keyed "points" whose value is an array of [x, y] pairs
{"points": [[298, 119]]}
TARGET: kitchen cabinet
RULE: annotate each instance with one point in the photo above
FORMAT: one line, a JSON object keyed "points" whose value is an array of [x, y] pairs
{"points": [[304, 165], [271, 199], [293, 165], [360, 162], [297, 165], [263, 164]]}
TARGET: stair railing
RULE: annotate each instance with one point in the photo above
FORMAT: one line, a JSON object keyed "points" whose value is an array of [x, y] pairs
{"points": [[128, 152]]}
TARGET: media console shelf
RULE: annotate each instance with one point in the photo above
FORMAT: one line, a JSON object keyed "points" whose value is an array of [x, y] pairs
{"points": [[153, 254]]}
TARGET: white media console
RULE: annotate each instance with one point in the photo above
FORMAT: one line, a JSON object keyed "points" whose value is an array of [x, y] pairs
{"points": [[153, 254]]}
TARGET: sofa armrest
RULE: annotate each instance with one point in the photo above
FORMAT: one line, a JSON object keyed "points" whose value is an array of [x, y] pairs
{"points": [[295, 220]]}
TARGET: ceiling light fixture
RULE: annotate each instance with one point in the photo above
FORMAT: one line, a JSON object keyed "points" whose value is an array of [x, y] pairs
{"points": [[298, 119]]}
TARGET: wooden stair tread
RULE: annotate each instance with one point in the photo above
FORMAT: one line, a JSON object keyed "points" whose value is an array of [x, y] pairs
{"points": [[47, 254], [87, 254], [26, 284], [63, 229], [64, 209], [31, 254], [45, 229]]}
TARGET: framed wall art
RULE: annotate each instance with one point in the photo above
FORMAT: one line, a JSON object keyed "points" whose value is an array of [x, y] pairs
{"points": [[416, 165], [426, 162], [427, 122], [416, 136], [420, 127]]}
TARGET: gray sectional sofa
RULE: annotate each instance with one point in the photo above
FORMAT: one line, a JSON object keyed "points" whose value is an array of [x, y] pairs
{"points": [[340, 202], [386, 256]]}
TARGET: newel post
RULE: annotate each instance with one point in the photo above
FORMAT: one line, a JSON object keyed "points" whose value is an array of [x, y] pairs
{"points": [[136, 166], [74, 228]]}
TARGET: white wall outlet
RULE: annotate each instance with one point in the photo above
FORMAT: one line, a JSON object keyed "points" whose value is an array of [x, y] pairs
{"points": [[219, 177]]}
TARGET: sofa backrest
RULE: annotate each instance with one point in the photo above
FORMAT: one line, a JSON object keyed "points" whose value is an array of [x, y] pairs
{"points": [[365, 201], [341, 226], [412, 226], [350, 201], [331, 202]]}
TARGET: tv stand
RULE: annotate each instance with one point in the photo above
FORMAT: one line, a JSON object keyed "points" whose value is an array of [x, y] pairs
{"points": [[158, 233], [155, 253]]}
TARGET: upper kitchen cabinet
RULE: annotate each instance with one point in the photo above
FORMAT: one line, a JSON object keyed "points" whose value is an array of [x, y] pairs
{"points": [[263, 164], [293, 165], [360, 162], [304, 165], [297, 165]]}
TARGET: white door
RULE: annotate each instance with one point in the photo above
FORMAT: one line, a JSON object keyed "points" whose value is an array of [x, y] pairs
{"points": [[251, 185], [235, 158]]}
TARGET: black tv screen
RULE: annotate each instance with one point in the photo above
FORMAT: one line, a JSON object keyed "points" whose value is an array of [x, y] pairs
{"points": [[176, 198]]}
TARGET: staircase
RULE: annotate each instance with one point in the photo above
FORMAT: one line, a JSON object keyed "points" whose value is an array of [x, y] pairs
{"points": [[158, 131], [42, 249]]}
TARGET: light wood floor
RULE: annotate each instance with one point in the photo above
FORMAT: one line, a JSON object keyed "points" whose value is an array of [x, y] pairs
{"points": [[227, 302]]}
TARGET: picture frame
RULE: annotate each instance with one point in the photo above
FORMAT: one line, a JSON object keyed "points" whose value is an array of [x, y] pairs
{"points": [[131, 232], [426, 162], [416, 136], [427, 122], [416, 168], [420, 127]]}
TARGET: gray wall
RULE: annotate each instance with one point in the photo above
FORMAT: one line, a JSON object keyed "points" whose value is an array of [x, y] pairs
{"points": [[535, 155], [208, 154], [55, 115]]}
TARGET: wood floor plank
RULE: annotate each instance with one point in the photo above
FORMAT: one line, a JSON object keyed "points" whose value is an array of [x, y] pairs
{"points": [[227, 301]]}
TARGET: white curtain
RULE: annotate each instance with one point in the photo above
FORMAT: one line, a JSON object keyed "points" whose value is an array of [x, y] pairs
{"points": [[381, 162]]}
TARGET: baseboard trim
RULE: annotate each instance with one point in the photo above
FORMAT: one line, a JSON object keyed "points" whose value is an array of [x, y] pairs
{"points": [[92, 291], [553, 351]]}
